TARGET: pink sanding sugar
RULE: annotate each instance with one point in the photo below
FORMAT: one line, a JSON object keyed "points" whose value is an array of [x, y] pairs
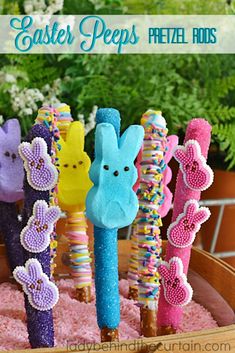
{"points": [[75, 322]]}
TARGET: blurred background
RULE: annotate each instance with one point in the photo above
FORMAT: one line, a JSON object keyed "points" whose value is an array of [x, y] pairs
{"points": [[181, 86]]}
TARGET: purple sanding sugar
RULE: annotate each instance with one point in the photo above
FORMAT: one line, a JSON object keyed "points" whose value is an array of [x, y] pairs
{"points": [[39, 323], [10, 228]]}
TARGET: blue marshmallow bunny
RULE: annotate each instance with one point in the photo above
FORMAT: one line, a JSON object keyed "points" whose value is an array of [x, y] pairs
{"points": [[111, 202]]}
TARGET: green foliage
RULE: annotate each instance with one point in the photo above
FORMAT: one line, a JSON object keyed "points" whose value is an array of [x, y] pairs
{"points": [[182, 86]]}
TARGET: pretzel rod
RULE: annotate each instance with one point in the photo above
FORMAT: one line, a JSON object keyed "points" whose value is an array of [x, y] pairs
{"points": [[111, 204], [133, 266], [169, 316], [39, 323], [10, 227], [73, 186], [163, 208], [80, 259], [148, 219], [48, 117], [106, 267]]}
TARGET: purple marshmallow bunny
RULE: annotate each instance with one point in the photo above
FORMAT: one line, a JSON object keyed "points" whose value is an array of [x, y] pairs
{"points": [[196, 173], [182, 232], [11, 166], [35, 237], [41, 173], [177, 290], [41, 292]]}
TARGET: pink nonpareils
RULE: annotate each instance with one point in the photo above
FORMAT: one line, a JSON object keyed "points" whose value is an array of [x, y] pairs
{"points": [[182, 232], [177, 291], [196, 173]]}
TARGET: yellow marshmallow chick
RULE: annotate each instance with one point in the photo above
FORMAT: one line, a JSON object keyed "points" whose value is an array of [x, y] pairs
{"points": [[74, 165]]}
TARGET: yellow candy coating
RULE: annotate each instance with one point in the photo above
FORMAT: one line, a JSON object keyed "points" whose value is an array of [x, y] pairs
{"points": [[74, 165]]}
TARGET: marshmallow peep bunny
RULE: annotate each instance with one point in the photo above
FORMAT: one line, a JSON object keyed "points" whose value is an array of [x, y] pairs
{"points": [[35, 237], [41, 173], [74, 162], [182, 232], [177, 290], [111, 202], [42, 293], [196, 173], [11, 166]]}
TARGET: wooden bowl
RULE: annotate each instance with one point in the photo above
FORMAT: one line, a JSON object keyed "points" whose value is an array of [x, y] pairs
{"points": [[219, 274]]}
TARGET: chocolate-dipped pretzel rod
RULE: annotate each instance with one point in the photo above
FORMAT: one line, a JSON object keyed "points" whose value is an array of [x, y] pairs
{"points": [[148, 218], [48, 117], [162, 204], [194, 176], [38, 221], [111, 204], [73, 186]]}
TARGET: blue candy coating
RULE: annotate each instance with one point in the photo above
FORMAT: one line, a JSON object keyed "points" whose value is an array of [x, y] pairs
{"points": [[106, 253], [111, 116], [111, 203], [106, 278]]}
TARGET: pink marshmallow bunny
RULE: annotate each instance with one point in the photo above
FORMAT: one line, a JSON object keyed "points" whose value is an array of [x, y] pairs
{"points": [[177, 290], [182, 232], [42, 293], [196, 173], [35, 237], [41, 173]]}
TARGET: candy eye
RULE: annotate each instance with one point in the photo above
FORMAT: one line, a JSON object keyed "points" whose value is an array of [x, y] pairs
{"points": [[36, 223], [176, 280], [126, 169], [116, 173], [32, 164], [66, 165], [39, 281], [187, 166], [32, 286], [195, 163], [45, 226], [185, 221], [106, 167], [13, 156], [41, 160], [7, 154], [168, 282], [192, 226], [74, 166], [80, 162]]}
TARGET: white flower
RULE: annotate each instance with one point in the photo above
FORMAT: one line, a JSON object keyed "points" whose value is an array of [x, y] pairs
{"points": [[27, 111], [32, 7], [91, 120], [81, 118], [40, 7], [10, 78], [54, 6], [5, 77], [25, 102], [98, 4]]}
